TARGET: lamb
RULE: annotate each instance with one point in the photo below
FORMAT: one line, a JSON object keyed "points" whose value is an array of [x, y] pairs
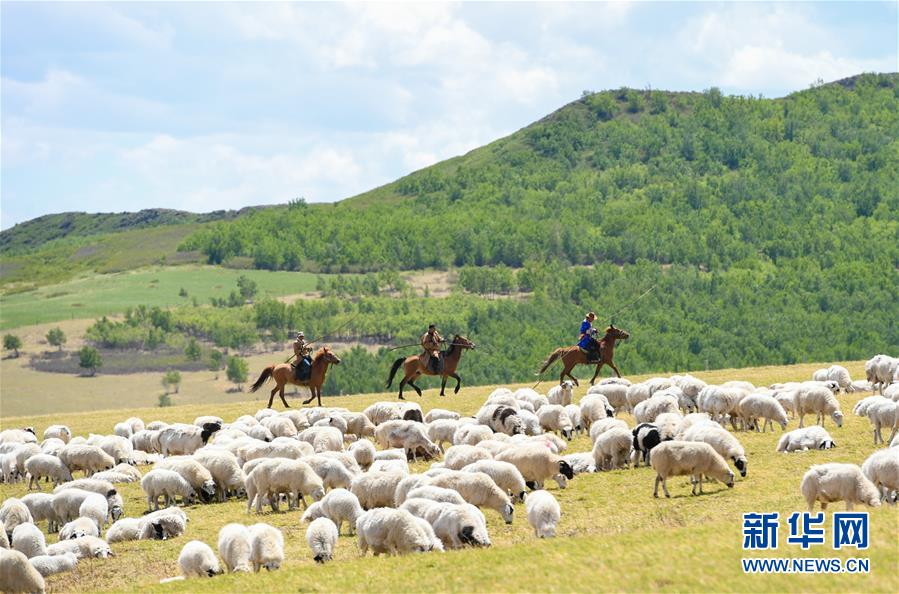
{"points": [[500, 418], [553, 417], [537, 464], [478, 489], [321, 536], [884, 414], [612, 449], [543, 513], [646, 437], [340, 506], [409, 435], [376, 490], [762, 406], [18, 575], [79, 527], [293, 477], [58, 432], [838, 482], [13, 513], [193, 472], [28, 540], [224, 470], [676, 458], [814, 437], [439, 413], [391, 531], [459, 456], [85, 547], [647, 410], [266, 547], [506, 476], [363, 452], [819, 400], [441, 431], [48, 565], [41, 507], [84, 457], [331, 471], [561, 394], [615, 394], [168, 484], [46, 466], [722, 441], [234, 547], [882, 469], [198, 560], [124, 530]]}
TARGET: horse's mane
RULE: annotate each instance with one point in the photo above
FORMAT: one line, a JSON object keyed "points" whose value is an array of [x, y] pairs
{"points": [[319, 354]]}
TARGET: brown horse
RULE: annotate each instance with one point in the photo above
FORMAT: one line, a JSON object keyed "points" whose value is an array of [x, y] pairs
{"points": [[283, 375], [573, 355], [413, 367]]}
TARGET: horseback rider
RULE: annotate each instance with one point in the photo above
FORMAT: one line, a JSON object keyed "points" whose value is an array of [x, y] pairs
{"points": [[587, 340], [430, 342], [303, 365]]}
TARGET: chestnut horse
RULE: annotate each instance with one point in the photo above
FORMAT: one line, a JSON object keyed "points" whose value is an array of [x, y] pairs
{"points": [[573, 355], [413, 367], [283, 375]]}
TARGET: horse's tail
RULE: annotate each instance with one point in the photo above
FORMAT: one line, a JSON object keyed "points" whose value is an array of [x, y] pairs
{"points": [[551, 359], [396, 365], [266, 375]]}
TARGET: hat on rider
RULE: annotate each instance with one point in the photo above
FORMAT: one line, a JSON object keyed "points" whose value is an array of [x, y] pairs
{"points": [[432, 327], [590, 314], [300, 335]]}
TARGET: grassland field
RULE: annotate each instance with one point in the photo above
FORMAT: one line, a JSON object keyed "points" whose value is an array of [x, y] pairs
{"points": [[613, 536]]}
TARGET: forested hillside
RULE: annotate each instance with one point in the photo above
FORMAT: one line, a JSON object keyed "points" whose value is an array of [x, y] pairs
{"points": [[690, 178]]}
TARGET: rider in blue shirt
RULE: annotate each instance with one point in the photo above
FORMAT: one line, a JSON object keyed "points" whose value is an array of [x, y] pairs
{"points": [[586, 336]]}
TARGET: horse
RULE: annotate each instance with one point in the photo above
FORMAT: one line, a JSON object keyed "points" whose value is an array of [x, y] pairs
{"points": [[413, 367], [573, 355], [283, 374]]}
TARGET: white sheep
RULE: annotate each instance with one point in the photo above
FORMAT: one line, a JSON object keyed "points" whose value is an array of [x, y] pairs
{"points": [[553, 417], [612, 449], [48, 565], [536, 464], [391, 531], [506, 476], [168, 484], [833, 481], [580, 462], [459, 456], [468, 434], [185, 439], [123, 530], [455, 524], [18, 575], [661, 402], [52, 446], [85, 547], [340, 506], [376, 489], [266, 547], [530, 396], [14, 512], [193, 472], [332, 472], [543, 513], [363, 451], [280, 426], [615, 394], [224, 470], [500, 418], [722, 441], [79, 527], [85, 457], [41, 507], [441, 431], [530, 423], [60, 432], [293, 477], [288, 448], [411, 482], [811, 398], [882, 469], [18, 436], [162, 524], [46, 466], [410, 435], [440, 413], [721, 401], [880, 370], [561, 394], [883, 414], [813, 437], [146, 441], [602, 425], [28, 540], [321, 536], [593, 407], [389, 466], [477, 489], [198, 560], [101, 487], [234, 547], [434, 493], [696, 459], [123, 430], [757, 406]]}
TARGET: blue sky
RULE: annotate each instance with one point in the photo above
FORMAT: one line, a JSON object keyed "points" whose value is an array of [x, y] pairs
{"points": [[203, 106]]}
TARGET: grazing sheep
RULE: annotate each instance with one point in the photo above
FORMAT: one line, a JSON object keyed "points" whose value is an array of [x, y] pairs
{"points": [[676, 458], [41, 507], [79, 527], [883, 414], [124, 530], [536, 464], [185, 439], [340, 506], [530, 424], [879, 370], [18, 575], [543, 513], [332, 472], [162, 525], [13, 513], [146, 441], [757, 406], [637, 393], [721, 401], [561, 394], [471, 434], [123, 430], [411, 482], [593, 407], [456, 524], [722, 441], [440, 413], [409, 435], [477, 489], [168, 484], [4, 538], [88, 458], [833, 481], [530, 396], [198, 560], [647, 410], [101, 487], [882, 469], [193, 472], [52, 446], [646, 437], [321, 536], [46, 466], [363, 451], [266, 547], [279, 426], [602, 425], [615, 394], [234, 547], [224, 470], [434, 493], [60, 432], [380, 412], [391, 531], [114, 477], [553, 417], [819, 400], [389, 466], [293, 477], [359, 425], [288, 448], [500, 418], [574, 413], [85, 547], [459, 456], [612, 449], [28, 540], [506, 476], [376, 490], [96, 508], [48, 565], [814, 437], [580, 462], [441, 431]]}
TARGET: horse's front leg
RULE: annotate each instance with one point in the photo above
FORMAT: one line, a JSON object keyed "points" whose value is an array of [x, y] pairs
{"points": [[596, 374], [615, 367], [311, 395], [443, 385], [318, 394]]}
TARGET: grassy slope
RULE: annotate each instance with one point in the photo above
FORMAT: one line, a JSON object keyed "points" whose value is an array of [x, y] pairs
{"points": [[613, 534], [106, 294]]}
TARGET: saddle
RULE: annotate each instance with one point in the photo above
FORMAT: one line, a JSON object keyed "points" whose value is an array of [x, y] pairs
{"points": [[435, 364], [594, 353], [302, 370]]}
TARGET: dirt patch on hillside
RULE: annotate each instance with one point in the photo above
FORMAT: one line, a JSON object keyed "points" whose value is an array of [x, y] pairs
{"points": [[439, 283]]}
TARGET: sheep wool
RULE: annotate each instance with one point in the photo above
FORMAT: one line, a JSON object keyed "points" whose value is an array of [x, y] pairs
{"points": [[543, 513], [675, 458], [198, 560], [17, 574], [234, 547], [321, 536], [266, 547], [48, 565], [833, 481]]}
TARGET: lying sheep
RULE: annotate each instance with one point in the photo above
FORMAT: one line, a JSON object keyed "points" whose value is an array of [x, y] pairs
{"points": [[819, 400], [478, 489], [198, 560], [376, 490], [580, 462], [500, 418], [814, 437], [757, 406], [506, 476], [561, 394], [48, 565], [293, 477], [124, 530], [882, 469], [18, 574], [833, 481], [234, 547], [85, 547], [321, 536], [45, 466], [543, 513], [79, 527], [163, 524], [87, 458], [553, 417], [266, 547], [168, 484], [722, 441], [537, 464], [391, 531], [28, 540], [612, 449], [697, 459]]}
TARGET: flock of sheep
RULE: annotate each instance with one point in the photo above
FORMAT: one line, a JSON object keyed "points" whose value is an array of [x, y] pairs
{"points": [[500, 457]]}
